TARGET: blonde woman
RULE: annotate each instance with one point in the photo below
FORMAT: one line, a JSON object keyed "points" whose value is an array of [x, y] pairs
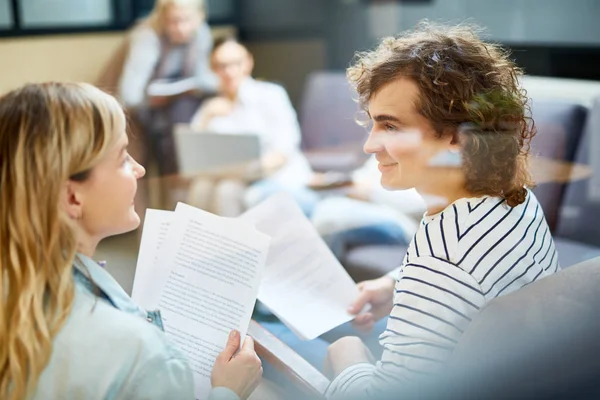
{"points": [[68, 330], [173, 44]]}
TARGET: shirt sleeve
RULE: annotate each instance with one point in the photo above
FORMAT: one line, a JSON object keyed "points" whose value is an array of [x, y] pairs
{"points": [[222, 393], [144, 53], [284, 129], [395, 273], [161, 378], [207, 81], [434, 301]]}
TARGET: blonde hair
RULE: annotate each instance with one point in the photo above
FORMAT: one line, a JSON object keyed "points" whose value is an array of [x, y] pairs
{"points": [[160, 6], [49, 133]]}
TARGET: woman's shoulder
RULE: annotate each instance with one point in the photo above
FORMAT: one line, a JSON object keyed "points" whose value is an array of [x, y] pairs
{"points": [[474, 210], [110, 351], [92, 312], [468, 221], [144, 34], [487, 211]]}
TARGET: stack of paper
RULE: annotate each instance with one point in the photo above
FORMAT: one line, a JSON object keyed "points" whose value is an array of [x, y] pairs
{"points": [[205, 272]]}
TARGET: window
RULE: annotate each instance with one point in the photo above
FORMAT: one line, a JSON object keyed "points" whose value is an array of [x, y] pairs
{"points": [[31, 17], [65, 13], [5, 13]]}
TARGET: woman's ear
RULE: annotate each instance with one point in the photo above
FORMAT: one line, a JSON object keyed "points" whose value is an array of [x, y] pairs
{"points": [[72, 200], [454, 144], [249, 67]]}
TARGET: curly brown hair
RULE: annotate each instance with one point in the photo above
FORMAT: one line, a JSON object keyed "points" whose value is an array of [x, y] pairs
{"points": [[468, 86]]}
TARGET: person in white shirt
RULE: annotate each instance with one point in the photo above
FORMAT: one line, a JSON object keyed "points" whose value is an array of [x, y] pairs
{"points": [[248, 106], [369, 214], [449, 119], [173, 44]]}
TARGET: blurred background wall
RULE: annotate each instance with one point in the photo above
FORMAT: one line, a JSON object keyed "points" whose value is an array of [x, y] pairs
{"points": [[74, 39]]}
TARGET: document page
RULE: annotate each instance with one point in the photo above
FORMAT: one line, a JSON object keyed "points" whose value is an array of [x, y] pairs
{"points": [[205, 281], [156, 226], [303, 283]]}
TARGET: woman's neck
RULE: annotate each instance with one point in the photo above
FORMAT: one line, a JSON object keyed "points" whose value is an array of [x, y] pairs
{"points": [[86, 244], [441, 192]]}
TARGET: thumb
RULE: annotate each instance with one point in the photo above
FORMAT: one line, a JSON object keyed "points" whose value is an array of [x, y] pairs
{"points": [[358, 304], [248, 345], [233, 344]]}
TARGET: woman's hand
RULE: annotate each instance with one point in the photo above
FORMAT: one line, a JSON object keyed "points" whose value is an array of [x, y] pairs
{"points": [[215, 107], [240, 372], [380, 294], [272, 162]]}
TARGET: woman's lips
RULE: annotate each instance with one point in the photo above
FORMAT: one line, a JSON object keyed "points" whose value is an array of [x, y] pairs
{"points": [[384, 167]]}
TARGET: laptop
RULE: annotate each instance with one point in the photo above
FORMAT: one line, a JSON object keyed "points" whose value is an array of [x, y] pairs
{"points": [[199, 152]]}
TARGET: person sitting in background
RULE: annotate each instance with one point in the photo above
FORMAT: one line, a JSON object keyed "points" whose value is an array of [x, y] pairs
{"points": [[248, 106], [369, 214], [450, 120], [173, 44], [68, 330]]}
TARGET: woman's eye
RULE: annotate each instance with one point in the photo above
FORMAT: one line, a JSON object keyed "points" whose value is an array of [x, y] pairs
{"points": [[390, 128]]}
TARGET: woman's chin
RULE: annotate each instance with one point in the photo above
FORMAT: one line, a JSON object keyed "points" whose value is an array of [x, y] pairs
{"points": [[133, 222], [394, 184]]}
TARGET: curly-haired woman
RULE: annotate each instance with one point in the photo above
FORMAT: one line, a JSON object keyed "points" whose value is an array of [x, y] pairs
{"points": [[449, 119]]}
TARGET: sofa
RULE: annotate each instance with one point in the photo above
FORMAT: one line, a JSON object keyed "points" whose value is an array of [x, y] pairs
{"points": [[568, 130], [540, 342]]}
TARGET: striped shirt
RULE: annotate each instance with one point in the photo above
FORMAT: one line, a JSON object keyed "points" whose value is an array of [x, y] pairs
{"points": [[461, 258]]}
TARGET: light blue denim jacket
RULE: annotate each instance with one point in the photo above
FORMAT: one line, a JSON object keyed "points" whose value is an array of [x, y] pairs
{"points": [[110, 348]]}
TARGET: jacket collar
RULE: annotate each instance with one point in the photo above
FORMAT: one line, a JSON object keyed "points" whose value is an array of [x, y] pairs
{"points": [[95, 278]]}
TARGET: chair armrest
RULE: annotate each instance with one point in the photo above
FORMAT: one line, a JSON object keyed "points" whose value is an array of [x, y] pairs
{"points": [[298, 370]]}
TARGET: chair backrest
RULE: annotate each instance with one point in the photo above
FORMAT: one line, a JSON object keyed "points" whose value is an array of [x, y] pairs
{"points": [[111, 73], [579, 217], [328, 112], [541, 339], [559, 128]]}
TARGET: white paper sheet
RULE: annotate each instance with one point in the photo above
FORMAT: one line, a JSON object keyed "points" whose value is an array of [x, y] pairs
{"points": [[156, 226], [205, 281], [303, 283]]}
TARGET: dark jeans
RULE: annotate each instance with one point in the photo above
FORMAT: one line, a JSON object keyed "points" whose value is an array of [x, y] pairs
{"points": [[379, 233]]}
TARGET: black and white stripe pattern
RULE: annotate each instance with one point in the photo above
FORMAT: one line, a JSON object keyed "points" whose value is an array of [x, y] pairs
{"points": [[460, 259]]}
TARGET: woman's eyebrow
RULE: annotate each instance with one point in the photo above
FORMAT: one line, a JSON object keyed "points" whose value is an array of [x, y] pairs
{"points": [[386, 118]]}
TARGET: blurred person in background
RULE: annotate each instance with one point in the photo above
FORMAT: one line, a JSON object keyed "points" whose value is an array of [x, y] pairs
{"points": [[370, 214], [172, 45], [68, 330], [248, 106]]}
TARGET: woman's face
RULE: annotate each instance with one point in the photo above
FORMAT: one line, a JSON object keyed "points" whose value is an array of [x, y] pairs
{"points": [[232, 63], [404, 141], [181, 23], [103, 203]]}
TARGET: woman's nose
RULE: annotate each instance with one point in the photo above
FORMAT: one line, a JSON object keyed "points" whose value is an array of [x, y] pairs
{"points": [[139, 170], [373, 144]]}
